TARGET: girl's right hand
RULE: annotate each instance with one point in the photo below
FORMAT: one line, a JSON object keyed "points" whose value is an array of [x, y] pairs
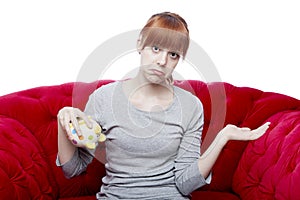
{"points": [[69, 115]]}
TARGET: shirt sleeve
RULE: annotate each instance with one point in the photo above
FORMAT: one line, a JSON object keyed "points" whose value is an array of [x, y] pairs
{"points": [[187, 174], [77, 164]]}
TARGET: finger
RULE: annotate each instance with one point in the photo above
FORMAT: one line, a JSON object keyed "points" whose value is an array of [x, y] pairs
{"points": [[245, 129], [61, 120], [88, 121], [262, 129], [66, 125], [60, 117], [76, 126]]}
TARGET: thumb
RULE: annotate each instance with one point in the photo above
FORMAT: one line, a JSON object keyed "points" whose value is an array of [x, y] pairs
{"points": [[245, 129]]}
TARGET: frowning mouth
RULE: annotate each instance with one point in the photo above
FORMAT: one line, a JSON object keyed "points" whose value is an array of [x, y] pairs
{"points": [[158, 72]]}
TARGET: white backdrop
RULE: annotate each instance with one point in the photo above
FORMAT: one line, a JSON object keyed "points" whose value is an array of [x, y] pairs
{"points": [[254, 43]]}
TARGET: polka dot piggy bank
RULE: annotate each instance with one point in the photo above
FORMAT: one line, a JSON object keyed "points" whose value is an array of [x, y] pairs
{"points": [[89, 137]]}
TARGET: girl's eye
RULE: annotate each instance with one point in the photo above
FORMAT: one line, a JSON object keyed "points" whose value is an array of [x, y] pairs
{"points": [[155, 49], [174, 55]]}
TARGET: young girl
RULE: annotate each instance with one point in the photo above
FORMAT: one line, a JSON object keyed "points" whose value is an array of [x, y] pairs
{"points": [[153, 128]]}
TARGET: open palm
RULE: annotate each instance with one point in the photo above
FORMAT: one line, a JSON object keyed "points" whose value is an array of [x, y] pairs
{"points": [[236, 133]]}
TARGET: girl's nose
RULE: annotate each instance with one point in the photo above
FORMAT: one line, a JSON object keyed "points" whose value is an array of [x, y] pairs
{"points": [[162, 58]]}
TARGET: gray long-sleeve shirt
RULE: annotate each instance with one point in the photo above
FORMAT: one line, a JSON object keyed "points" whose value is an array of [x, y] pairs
{"points": [[150, 155]]}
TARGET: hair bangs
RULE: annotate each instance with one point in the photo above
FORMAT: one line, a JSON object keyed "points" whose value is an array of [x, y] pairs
{"points": [[174, 41]]}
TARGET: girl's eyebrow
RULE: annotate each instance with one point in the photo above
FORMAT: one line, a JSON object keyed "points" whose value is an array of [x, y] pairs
{"points": [[167, 39]]}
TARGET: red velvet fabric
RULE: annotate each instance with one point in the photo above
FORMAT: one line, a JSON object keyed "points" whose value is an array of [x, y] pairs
{"points": [[270, 167], [265, 169]]}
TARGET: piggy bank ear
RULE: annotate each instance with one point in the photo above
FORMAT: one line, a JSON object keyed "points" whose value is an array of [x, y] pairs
{"points": [[102, 137], [97, 129]]}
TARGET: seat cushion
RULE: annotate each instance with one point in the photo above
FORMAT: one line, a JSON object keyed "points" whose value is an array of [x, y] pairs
{"points": [[208, 195], [93, 197]]}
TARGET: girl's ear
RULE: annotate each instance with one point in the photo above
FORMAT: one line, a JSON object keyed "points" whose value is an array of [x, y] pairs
{"points": [[139, 44]]}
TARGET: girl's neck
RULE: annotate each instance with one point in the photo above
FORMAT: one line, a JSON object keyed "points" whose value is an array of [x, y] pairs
{"points": [[148, 96], [143, 87]]}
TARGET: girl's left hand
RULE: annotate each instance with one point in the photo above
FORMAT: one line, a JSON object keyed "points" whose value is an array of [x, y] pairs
{"points": [[233, 132]]}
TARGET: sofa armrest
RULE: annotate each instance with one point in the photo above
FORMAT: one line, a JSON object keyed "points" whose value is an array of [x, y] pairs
{"points": [[24, 172], [269, 167]]}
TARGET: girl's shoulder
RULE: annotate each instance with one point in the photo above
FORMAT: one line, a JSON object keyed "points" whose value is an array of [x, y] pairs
{"points": [[187, 99], [107, 86], [185, 95], [106, 89]]}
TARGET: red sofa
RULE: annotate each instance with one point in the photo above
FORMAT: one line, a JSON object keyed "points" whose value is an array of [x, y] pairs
{"points": [[268, 168]]}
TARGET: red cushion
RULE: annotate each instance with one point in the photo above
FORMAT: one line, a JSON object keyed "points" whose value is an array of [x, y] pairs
{"points": [[24, 170], [270, 166], [93, 197], [209, 195]]}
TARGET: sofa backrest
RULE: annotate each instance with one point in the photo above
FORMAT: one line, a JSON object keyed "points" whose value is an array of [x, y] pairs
{"points": [[28, 124]]}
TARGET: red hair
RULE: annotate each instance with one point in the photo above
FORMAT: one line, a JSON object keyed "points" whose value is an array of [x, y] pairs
{"points": [[166, 30]]}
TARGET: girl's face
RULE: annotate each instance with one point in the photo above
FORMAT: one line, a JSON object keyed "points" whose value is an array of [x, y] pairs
{"points": [[157, 64]]}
